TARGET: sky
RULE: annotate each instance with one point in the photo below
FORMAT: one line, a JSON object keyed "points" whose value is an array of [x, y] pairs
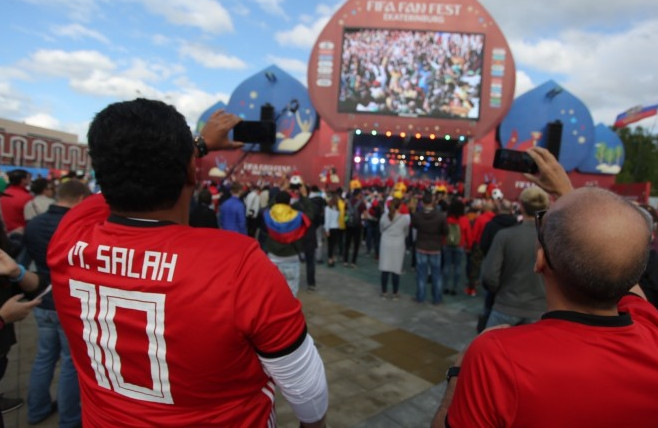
{"points": [[62, 61]]}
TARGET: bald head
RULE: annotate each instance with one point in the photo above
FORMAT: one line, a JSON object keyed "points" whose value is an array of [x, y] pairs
{"points": [[598, 245]]}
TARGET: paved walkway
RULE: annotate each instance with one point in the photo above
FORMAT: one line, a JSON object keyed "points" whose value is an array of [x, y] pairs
{"points": [[385, 359]]}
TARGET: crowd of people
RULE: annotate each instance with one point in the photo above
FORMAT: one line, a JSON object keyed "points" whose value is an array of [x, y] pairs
{"points": [[413, 73], [140, 257]]}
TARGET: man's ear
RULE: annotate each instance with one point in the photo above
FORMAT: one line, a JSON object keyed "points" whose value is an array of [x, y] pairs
{"points": [[190, 178], [540, 261]]}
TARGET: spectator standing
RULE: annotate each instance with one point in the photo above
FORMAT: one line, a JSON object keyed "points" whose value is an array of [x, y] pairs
{"points": [[310, 239], [252, 205], [372, 216], [319, 202], [286, 226], [203, 215], [476, 255], [431, 229], [342, 227], [505, 218], [458, 239], [332, 228], [232, 212], [43, 191], [592, 249], [508, 269], [394, 228], [218, 320], [52, 344], [13, 206], [353, 227]]}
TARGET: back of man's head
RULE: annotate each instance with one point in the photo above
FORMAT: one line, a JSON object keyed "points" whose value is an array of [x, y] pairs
{"points": [[140, 151], [505, 207], [533, 199], [71, 192], [39, 185], [236, 188], [282, 197], [16, 176], [598, 246]]}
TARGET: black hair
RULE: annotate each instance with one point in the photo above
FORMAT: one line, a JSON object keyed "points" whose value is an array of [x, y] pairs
{"points": [[140, 151], [456, 208], [16, 176], [282, 197], [205, 197], [39, 185]]}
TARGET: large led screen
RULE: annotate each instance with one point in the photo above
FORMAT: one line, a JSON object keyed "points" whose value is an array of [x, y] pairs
{"points": [[408, 73]]}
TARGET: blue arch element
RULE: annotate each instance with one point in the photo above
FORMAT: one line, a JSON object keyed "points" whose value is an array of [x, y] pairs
{"points": [[206, 114], [527, 121], [278, 88], [606, 155]]}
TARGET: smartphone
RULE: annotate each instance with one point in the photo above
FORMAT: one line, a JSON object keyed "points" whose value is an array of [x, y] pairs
{"points": [[253, 131], [44, 292], [514, 160]]}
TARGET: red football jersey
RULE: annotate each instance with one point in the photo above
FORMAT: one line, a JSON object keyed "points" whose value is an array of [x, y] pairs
{"points": [[165, 321], [567, 370]]}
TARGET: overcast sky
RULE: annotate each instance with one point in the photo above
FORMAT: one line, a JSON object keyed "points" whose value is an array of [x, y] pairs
{"points": [[64, 60]]}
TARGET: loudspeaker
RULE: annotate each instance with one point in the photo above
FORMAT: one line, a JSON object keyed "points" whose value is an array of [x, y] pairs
{"points": [[554, 138]]}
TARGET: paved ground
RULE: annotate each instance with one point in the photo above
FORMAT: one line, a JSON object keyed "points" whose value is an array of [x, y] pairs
{"points": [[385, 359]]}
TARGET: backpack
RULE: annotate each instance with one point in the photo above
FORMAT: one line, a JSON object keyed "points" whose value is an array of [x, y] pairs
{"points": [[352, 215], [454, 237]]}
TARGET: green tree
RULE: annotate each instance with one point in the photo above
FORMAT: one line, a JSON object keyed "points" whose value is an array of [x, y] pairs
{"points": [[641, 160], [600, 152]]}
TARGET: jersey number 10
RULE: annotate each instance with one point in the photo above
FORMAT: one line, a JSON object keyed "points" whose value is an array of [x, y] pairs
{"points": [[108, 370]]}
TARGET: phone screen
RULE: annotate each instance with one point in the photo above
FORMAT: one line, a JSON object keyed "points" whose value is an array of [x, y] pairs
{"points": [[514, 160]]}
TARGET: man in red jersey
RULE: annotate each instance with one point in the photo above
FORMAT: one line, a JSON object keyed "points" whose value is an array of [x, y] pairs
{"points": [[170, 325], [592, 360]]}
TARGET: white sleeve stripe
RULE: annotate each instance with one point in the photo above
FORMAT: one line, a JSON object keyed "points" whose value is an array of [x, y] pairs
{"points": [[302, 380]]}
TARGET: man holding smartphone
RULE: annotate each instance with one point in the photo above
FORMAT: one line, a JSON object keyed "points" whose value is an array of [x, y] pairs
{"points": [[170, 325]]}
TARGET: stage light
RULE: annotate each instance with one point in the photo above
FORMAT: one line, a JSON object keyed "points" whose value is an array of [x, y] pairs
{"points": [[388, 133], [436, 164], [373, 132], [403, 134], [440, 159], [357, 159], [374, 161], [462, 138], [418, 135], [447, 137], [432, 136], [404, 156], [357, 132], [382, 160], [422, 158]]}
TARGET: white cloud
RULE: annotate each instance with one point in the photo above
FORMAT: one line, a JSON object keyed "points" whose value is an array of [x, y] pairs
{"points": [[290, 65], [160, 40], [207, 15], [43, 120], [207, 57], [605, 70], [532, 19], [523, 83], [272, 7], [301, 35], [11, 102], [193, 102], [66, 64], [240, 9], [78, 10], [77, 32]]}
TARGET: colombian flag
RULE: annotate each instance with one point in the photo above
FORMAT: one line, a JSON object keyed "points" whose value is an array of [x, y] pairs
{"points": [[285, 224]]}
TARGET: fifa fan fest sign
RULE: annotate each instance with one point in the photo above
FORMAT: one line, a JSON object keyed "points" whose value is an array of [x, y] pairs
{"points": [[412, 68]]}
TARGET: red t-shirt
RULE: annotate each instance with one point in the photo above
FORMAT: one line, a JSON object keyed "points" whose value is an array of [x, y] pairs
{"points": [[480, 223], [567, 370], [13, 206], [165, 321]]}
